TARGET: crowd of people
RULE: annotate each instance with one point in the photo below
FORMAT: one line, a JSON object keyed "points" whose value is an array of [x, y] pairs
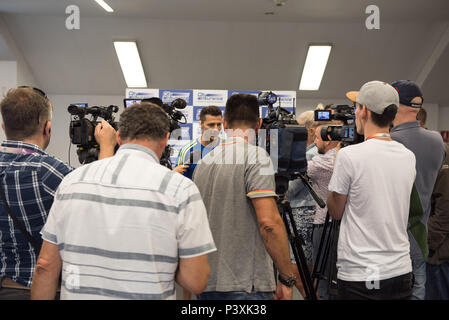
{"points": [[126, 227]]}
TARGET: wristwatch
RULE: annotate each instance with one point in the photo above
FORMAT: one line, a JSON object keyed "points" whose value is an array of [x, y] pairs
{"points": [[290, 282]]}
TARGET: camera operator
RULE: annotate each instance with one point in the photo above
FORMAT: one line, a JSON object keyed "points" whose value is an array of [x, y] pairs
{"points": [[320, 169], [236, 181], [370, 193], [29, 179], [210, 122], [429, 152], [142, 234]]}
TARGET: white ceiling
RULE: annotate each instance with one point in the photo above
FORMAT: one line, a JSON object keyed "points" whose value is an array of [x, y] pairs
{"points": [[230, 44]]}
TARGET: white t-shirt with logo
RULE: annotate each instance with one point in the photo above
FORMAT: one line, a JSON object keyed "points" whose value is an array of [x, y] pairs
{"points": [[377, 176]]}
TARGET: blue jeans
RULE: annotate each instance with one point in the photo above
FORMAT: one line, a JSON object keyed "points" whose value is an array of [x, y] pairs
{"points": [[419, 271], [235, 295], [437, 284]]}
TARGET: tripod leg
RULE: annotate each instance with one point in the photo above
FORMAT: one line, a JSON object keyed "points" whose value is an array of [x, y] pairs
{"points": [[321, 258], [298, 252]]}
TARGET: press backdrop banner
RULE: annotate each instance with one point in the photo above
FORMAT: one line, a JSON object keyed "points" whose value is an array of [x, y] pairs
{"points": [[196, 100]]}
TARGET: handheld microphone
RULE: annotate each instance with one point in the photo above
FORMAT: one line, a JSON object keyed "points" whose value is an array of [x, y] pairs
{"points": [[179, 103]]}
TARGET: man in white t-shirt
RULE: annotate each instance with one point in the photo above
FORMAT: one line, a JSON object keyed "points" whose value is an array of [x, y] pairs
{"points": [[370, 193]]}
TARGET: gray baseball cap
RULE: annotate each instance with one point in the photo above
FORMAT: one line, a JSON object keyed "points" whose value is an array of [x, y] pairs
{"points": [[375, 95]]}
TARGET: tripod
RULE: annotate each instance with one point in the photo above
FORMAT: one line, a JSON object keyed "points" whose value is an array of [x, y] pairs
{"points": [[327, 250], [295, 239]]}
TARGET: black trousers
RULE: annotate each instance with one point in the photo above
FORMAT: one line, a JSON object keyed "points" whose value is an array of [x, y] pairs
{"points": [[14, 294], [397, 288]]}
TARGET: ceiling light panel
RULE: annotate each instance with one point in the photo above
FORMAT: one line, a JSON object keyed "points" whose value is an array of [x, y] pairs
{"points": [[129, 58], [315, 65]]}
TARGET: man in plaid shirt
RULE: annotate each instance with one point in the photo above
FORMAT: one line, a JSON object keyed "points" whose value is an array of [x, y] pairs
{"points": [[29, 178]]}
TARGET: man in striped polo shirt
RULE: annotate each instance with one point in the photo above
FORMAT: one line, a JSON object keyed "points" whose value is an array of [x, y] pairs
{"points": [[210, 122], [126, 227]]}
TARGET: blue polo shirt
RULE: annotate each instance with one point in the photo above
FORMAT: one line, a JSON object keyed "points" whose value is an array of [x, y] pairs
{"points": [[192, 153]]}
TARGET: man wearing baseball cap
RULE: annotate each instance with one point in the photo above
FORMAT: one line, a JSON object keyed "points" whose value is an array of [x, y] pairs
{"points": [[370, 192], [429, 151]]}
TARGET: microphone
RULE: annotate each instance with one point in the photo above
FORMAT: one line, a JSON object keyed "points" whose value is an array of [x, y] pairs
{"points": [[179, 103], [194, 155]]}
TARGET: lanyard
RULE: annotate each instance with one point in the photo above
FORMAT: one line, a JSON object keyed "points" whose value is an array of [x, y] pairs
{"points": [[17, 150], [379, 135]]}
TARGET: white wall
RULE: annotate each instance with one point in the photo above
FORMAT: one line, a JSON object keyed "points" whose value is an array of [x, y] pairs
{"points": [[8, 76], [8, 80], [24, 74], [443, 119]]}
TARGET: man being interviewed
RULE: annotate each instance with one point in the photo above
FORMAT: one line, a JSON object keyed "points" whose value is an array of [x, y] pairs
{"points": [[370, 192], [236, 181]]}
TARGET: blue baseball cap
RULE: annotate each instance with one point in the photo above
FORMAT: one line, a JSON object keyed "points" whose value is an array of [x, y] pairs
{"points": [[408, 90]]}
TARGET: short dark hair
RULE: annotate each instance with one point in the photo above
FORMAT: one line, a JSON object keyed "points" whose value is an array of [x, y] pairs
{"points": [[144, 121], [210, 110], [386, 118], [24, 112], [242, 109], [422, 115]]}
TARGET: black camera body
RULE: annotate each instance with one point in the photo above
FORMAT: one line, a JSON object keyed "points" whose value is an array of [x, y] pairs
{"points": [[82, 129], [285, 142], [346, 133]]}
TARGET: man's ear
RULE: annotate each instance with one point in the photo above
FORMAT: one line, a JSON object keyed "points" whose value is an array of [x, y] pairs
{"points": [[3, 126], [47, 128], [225, 124], [365, 112], [119, 140]]}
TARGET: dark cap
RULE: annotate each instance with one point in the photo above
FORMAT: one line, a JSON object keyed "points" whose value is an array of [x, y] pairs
{"points": [[408, 90]]}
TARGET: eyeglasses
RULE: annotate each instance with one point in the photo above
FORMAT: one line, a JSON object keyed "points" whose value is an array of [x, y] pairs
{"points": [[42, 93]]}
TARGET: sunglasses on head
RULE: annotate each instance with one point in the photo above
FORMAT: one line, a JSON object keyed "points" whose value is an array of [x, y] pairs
{"points": [[42, 93]]}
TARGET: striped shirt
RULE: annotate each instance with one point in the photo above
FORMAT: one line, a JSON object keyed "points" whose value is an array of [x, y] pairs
{"points": [[122, 223], [29, 178]]}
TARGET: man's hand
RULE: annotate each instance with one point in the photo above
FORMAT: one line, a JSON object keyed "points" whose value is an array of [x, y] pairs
{"points": [[105, 135], [181, 169], [283, 292]]}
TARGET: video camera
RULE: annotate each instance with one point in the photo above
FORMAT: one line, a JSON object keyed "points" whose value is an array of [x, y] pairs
{"points": [[346, 133], [285, 139], [174, 115], [82, 129]]}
